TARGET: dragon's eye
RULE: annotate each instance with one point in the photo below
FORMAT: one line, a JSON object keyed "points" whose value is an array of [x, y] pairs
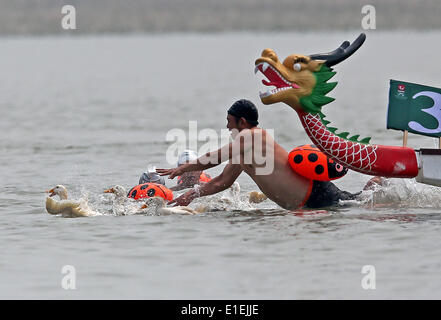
{"points": [[297, 63]]}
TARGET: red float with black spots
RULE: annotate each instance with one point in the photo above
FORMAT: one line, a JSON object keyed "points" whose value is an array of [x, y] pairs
{"points": [[311, 163], [149, 190]]}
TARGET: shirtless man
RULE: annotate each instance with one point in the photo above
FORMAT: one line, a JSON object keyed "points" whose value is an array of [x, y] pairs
{"points": [[282, 185]]}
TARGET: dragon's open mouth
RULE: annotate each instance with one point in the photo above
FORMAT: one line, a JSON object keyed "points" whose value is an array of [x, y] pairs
{"points": [[275, 79]]}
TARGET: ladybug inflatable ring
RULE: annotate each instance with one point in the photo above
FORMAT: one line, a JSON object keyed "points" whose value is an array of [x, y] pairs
{"points": [[311, 163], [150, 190]]}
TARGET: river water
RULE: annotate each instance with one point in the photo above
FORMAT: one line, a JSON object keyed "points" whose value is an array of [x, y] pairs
{"points": [[92, 112]]}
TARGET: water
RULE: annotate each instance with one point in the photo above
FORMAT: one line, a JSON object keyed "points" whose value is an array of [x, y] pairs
{"points": [[92, 112]]}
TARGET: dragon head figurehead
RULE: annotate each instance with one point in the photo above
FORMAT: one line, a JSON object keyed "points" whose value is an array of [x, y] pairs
{"points": [[301, 81]]}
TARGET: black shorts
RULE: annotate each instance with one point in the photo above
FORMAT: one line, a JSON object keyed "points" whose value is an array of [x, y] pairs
{"points": [[325, 194]]}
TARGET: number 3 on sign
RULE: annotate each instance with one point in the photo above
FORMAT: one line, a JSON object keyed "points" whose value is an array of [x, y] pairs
{"points": [[434, 111]]}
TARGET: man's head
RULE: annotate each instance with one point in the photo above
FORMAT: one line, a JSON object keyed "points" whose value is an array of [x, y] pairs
{"points": [[186, 156], [242, 114], [153, 177]]}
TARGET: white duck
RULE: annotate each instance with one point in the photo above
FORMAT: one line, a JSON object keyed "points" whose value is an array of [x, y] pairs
{"points": [[69, 208], [156, 206], [119, 192], [120, 204]]}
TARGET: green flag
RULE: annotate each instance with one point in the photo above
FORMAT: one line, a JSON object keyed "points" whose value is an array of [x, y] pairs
{"points": [[415, 108]]}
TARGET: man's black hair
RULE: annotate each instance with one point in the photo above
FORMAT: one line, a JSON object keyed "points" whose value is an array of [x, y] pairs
{"points": [[245, 109]]}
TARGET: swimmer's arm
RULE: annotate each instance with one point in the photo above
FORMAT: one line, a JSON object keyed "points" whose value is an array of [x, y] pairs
{"points": [[178, 187], [217, 184], [222, 181], [188, 180], [199, 164], [183, 168], [208, 160], [233, 151]]}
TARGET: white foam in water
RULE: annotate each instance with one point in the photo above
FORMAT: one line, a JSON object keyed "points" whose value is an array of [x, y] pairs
{"points": [[118, 205], [151, 168], [401, 193], [229, 200], [394, 193]]}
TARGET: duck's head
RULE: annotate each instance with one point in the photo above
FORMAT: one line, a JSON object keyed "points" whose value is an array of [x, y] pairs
{"points": [[119, 191], [59, 190], [154, 202]]}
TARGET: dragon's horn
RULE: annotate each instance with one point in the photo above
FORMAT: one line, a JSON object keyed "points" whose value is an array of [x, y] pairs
{"points": [[341, 53]]}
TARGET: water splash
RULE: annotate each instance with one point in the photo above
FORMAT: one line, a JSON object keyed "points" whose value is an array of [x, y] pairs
{"points": [[401, 193], [151, 168], [393, 193], [228, 200]]}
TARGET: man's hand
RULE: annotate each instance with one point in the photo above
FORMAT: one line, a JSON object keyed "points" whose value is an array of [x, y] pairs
{"points": [[174, 172], [185, 199]]}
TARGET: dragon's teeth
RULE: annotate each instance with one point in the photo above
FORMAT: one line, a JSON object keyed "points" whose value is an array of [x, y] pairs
{"points": [[265, 66], [265, 94], [256, 69]]}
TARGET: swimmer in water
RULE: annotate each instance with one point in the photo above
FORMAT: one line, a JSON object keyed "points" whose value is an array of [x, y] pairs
{"points": [[281, 184], [151, 177], [192, 178]]}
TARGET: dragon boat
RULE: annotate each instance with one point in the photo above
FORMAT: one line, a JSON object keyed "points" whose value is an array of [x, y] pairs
{"points": [[301, 82]]}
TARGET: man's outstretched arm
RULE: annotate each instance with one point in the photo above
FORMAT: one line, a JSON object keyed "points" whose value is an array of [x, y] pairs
{"points": [[187, 182], [233, 151], [217, 184], [187, 167]]}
